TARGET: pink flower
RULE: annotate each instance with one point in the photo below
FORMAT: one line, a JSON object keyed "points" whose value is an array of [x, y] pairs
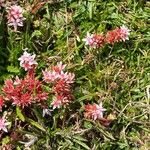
{"points": [[57, 73], [27, 61], [3, 124], [15, 17], [68, 77], [50, 76], [94, 111], [2, 3]]}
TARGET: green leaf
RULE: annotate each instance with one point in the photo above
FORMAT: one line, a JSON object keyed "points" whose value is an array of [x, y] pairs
{"points": [[36, 33], [104, 132], [5, 140], [79, 138], [87, 125], [35, 124], [90, 9], [18, 148], [89, 96], [19, 114], [12, 69], [82, 144]]}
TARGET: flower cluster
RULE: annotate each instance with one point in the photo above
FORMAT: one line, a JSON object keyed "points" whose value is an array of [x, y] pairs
{"points": [[15, 16], [94, 111], [22, 92], [29, 90], [111, 37], [118, 35], [61, 84]]}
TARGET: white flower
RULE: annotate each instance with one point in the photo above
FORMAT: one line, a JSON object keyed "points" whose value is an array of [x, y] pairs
{"points": [[27, 61], [3, 124], [125, 32], [99, 111], [88, 39], [47, 112]]}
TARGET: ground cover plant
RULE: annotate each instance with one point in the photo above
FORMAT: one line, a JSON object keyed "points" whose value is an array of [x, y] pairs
{"points": [[75, 75]]}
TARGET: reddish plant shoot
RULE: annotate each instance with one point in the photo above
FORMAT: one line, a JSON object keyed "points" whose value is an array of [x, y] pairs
{"points": [[1, 103]]}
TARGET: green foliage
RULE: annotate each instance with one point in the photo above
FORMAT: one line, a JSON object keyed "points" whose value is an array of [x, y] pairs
{"points": [[19, 114], [118, 75]]}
